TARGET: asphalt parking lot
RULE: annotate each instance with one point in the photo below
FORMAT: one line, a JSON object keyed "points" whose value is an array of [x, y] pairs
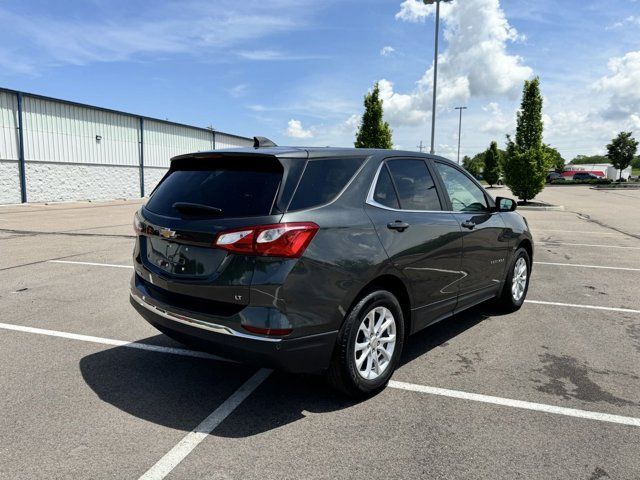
{"points": [[90, 390]]}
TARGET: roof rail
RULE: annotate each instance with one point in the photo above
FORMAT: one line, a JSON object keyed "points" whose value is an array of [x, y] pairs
{"points": [[260, 142]]}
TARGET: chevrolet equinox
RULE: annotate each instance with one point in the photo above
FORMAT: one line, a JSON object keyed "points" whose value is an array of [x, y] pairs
{"points": [[321, 259]]}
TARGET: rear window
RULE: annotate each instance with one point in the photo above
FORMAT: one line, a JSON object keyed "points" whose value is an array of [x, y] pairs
{"points": [[322, 180], [240, 187]]}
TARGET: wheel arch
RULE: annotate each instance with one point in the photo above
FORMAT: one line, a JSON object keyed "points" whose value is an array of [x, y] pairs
{"points": [[528, 246], [397, 287]]}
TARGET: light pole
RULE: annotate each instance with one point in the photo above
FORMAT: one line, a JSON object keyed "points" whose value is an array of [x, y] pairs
{"points": [[435, 70], [460, 130]]}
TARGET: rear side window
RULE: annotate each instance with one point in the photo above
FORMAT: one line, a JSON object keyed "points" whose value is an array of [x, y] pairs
{"points": [[322, 180], [239, 187], [414, 184], [384, 193]]}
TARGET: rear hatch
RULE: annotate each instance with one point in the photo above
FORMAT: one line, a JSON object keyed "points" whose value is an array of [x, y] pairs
{"points": [[201, 196]]}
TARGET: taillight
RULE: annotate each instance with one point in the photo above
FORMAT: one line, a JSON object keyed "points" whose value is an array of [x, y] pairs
{"points": [[278, 240], [240, 241]]}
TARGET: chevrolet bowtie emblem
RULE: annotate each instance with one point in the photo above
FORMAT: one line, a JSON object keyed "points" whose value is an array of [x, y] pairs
{"points": [[167, 233]]}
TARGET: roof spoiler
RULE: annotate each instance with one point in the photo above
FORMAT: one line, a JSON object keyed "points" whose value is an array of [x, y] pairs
{"points": [[261, 142]]}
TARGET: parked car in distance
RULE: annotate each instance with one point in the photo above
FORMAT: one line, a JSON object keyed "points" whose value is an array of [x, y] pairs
{"points": [[585, 176], [321, 259], [554, 176]]}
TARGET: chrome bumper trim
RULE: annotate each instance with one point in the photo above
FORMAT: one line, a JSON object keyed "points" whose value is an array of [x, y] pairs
{"points": [[194, 322]]}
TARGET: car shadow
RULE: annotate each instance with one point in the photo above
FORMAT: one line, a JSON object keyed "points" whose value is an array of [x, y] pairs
{"points": [[441, 332], [179, 391]]}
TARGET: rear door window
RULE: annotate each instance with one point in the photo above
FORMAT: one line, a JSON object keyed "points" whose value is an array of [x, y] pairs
{"points": [[239, 187], [414, 184], [323, 180]]}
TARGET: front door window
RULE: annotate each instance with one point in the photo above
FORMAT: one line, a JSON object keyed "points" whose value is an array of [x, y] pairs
{"points": [[464, 194]]}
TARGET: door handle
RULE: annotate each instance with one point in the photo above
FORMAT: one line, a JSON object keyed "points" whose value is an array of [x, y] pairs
{"points": [[398, 225], [469, 224]]}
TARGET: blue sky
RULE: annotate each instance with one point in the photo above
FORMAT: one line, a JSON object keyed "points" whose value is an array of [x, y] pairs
{"points": [[296, 70]]}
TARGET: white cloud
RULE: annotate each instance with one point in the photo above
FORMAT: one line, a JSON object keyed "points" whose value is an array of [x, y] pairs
{"points": [[622, 86], [353, 122], [191, 27], [414, 11], [11, 62], [448, 151], [387, 50], [340, 133], [474, 64], [272, 55], [402, 109], [610, 105], [630, 20], [238, 90], [295, 130], [497, 123]]}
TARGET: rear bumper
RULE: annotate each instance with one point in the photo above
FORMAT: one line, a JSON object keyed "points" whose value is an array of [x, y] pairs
{"points": [[308, 354]]}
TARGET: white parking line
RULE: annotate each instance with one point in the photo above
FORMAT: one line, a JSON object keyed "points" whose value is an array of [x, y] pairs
{"points": [[591, 307], [535, 231], [191, 440], [116, 343], [90, 263], [508, 402], [587, 245], [587, 266], [178, 453]]}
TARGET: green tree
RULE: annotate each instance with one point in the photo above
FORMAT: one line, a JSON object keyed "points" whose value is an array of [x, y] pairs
{"points": [[526, 163], [585, 160], [621, 150], [472, 165], [555, 158], [492, 163], [373, 132]]}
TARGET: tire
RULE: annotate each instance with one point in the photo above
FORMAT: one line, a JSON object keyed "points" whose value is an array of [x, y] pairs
{"points": [[353, 371], [511, 298]]}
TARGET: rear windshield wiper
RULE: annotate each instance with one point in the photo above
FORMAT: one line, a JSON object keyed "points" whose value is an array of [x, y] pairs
{"points": [[196, 207]]}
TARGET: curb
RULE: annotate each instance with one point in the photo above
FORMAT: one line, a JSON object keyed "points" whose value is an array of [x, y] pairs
{"points": [[550, 208]]}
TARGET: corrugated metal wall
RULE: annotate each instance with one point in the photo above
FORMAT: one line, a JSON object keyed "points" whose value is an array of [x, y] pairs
{"points": [[225, 140], [57, 132], [163, 141], [60, 132], [8, 126]]}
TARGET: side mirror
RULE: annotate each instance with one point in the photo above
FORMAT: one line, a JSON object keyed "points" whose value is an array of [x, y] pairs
{"points": [[505, 204]]}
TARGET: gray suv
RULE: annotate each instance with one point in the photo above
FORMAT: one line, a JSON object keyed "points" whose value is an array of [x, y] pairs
{"points": [[321, 259]]}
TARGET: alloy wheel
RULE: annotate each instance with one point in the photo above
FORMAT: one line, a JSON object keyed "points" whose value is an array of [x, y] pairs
{"points": [[519, 282], [375, 343]]}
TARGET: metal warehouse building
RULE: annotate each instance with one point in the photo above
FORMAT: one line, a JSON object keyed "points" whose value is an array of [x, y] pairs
{"points": [[53, 150]]}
